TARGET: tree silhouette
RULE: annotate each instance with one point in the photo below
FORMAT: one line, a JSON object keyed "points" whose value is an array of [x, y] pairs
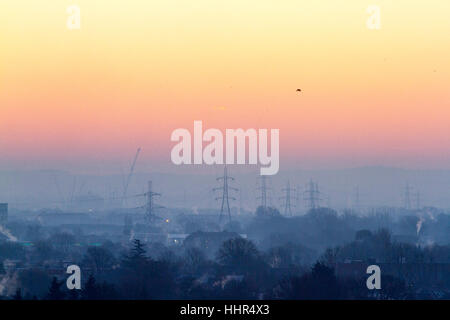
{"points": [[73, 294], [136, 271], [363, 234], [18, 294], [54, 292], [137, 259], [90, 290], [98, 259], [194, 260], [330, 257], [107, 291], [238, 253], [2, 269], [267, 212], [319, 284]]}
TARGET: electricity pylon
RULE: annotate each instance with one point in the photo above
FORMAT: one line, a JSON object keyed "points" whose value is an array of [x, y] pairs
{"points": [[150, 206], [287, 199], [407, 196], [263, 188], [312, 195], [225, 193]]}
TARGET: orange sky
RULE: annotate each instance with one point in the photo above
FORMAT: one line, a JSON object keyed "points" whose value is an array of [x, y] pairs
{"points": [[137, 70]]}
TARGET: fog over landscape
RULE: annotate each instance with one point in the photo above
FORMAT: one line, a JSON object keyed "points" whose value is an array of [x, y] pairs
{"points": [[117, 117], [378, 187]]}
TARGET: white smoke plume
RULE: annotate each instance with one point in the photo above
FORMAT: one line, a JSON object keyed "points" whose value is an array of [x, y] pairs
{"points": [[9, 283], [3, 284], [432, 217], [7, 234], [419, 225], [131, 235]]}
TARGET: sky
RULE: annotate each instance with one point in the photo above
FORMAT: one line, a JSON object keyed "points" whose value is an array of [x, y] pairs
{"points": [[84, 100]]}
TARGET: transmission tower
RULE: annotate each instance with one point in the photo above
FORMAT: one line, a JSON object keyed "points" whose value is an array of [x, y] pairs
{"points": [[355, 202], [263, 188], [287, 199], [407, 197], [298, 196], [225, 193], [311, 194], [150, 205], [417, 194]]}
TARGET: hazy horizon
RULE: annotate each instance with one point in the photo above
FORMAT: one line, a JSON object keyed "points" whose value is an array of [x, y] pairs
{"points": [[378, 187]]}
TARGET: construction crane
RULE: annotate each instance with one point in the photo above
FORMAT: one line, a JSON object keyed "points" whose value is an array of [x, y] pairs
{"points": [[130, 175]]}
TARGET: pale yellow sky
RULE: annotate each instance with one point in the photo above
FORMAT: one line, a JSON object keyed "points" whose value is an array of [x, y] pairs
{"points": [[136, 70]]}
